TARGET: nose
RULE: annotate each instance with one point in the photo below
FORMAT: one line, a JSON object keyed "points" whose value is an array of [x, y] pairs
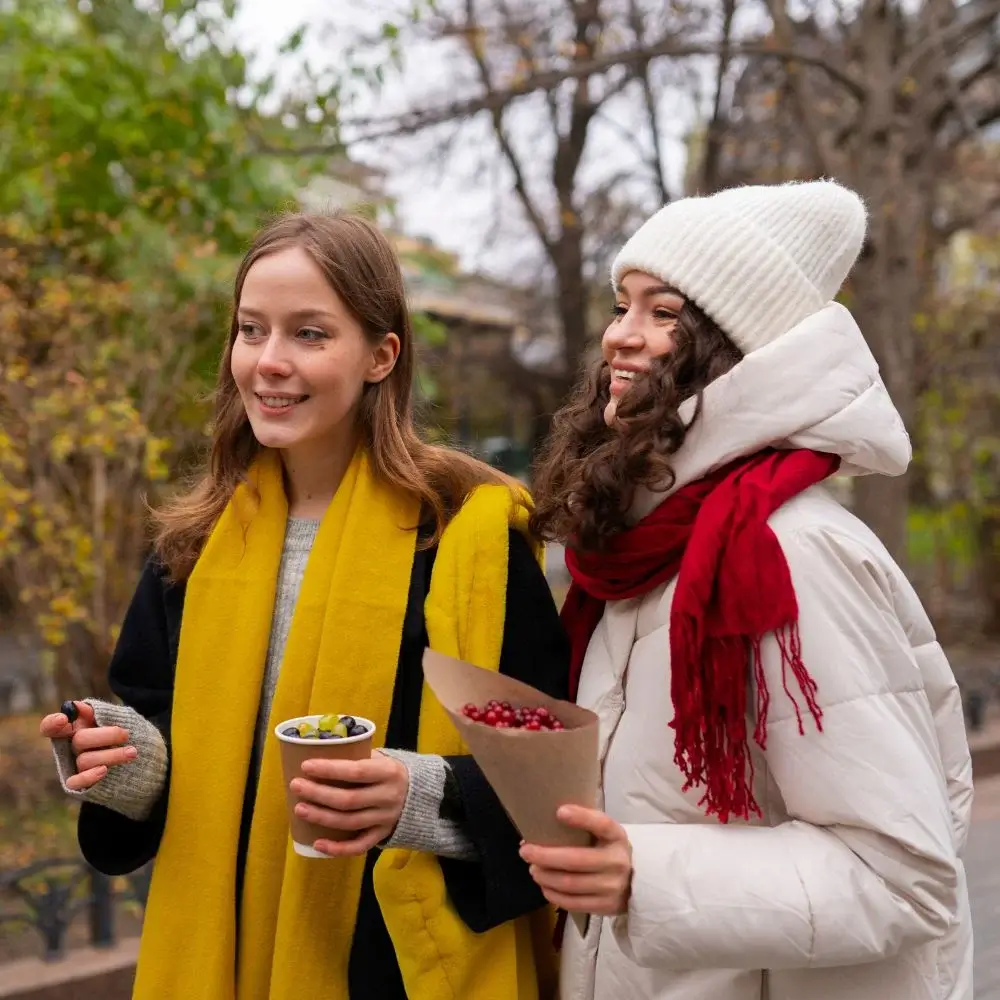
{"points": [[624, 334], [273, 361]]}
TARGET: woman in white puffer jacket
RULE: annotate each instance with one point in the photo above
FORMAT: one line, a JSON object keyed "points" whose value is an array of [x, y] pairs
{"points": [[786, 775]]}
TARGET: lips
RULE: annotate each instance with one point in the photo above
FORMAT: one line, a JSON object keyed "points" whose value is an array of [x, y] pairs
{"points": [[622, 378], [274, 401]]}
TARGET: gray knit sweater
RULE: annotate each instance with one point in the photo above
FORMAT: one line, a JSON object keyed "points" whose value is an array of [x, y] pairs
{"points": [[132, 789]]}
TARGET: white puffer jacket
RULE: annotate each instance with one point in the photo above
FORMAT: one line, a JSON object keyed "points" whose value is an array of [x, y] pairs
{"points": [[850, 887]]}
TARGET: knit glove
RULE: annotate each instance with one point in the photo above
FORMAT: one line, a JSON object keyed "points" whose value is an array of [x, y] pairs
{"points": [[130, 789]]}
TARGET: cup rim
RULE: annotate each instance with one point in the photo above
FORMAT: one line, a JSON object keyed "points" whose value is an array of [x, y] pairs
{"points": [[314, 719]]}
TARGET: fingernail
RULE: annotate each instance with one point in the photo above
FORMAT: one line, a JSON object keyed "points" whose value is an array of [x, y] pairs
{"points": [[296, 785], [102, 770], [300, 810], [131, 753]]}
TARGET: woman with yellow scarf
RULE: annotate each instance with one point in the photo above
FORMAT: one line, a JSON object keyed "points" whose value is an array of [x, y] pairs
{"points": [[323, 549]]}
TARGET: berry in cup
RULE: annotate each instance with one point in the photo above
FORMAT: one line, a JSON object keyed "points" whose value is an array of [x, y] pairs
{"points": [[330, 727], [503, 715]]}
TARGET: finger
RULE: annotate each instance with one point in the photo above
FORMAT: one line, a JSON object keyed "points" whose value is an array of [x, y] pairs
{"points": [[355, 772], [333, 820], [98, 739], [105, 758], [349, 799], [566, 859], [354, 847], [598, 823], [594, 905], [574, 884], [85, 716], [56, 727], [85, 779]]}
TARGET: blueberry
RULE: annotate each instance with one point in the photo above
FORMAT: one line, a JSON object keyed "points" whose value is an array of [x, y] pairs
{"points": [[290, 731], [357, 730], [349, 721], [70, 710], [324, 735]]}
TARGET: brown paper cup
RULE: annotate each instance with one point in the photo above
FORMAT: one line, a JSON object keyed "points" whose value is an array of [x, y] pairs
{"points": [[294, 751], [533, 773]]}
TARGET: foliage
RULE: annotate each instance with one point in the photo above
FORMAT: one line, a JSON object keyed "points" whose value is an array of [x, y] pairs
{"points": [[88, 416], [130, 184], [959, 416], [36, 819]]}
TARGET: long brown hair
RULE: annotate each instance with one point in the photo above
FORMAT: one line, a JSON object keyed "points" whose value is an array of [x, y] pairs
{"points": [[363, 269], [587, 473]]}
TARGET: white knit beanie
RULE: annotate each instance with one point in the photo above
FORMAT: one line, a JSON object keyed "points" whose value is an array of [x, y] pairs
{"points": [[758, 260]]}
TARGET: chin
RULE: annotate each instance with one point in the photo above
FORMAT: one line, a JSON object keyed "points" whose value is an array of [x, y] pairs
{"points": [[269, 436]]}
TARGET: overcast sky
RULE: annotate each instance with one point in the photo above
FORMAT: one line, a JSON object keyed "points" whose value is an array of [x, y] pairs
{"points": [[453, 208], [432, 210]]}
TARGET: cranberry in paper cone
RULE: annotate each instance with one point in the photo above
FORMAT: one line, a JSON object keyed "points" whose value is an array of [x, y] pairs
{"points": [[532, 772]]}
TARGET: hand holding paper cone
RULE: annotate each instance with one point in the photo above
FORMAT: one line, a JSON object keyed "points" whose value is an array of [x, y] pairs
{"points": [[532, 771]]}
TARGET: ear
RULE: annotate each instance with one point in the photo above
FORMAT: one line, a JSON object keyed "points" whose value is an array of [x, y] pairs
{"points": [[384, 358]]}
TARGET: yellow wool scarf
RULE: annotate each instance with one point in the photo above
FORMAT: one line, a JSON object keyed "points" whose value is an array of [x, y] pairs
{"points": [[297, 914]]}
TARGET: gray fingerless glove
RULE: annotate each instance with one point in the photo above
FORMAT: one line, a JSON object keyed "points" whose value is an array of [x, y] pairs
{"points": [[421, 826], [131, 789]]}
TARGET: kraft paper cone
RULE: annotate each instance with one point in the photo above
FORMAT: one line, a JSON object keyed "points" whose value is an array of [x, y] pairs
{"points": [[532, 773], [294, 752]]}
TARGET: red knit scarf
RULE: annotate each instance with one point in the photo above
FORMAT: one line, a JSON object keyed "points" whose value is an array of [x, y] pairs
{"points": [[733, 588]]}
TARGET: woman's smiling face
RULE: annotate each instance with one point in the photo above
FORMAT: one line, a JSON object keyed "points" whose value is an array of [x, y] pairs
{"points": [[646, 312], [301, 359]]}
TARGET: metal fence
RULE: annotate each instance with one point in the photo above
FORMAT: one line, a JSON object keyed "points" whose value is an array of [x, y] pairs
{"points": [[52, 895]]}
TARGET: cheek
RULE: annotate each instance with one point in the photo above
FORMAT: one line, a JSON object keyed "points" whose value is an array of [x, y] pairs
{"points": [[660, 342], [241, 365], [336, 380]]}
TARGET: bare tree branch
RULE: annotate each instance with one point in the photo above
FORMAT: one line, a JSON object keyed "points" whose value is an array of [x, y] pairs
{"points": [[716, 124], [948, 39], [415, 120], [657, 163], [804, 99], [503, 139]]}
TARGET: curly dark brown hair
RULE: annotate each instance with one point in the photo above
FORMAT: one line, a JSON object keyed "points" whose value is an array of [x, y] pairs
{"points": [[587, 473]]}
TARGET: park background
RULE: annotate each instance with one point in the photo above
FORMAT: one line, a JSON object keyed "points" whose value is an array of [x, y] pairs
{"points": [[509, 147]]}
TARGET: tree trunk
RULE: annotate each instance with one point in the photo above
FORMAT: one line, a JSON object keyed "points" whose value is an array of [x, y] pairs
{"points": [[887, 287], [988, 570]]}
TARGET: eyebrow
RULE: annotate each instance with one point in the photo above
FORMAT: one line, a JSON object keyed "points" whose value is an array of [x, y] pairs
{"points": [[648, 293], [297, 314]]}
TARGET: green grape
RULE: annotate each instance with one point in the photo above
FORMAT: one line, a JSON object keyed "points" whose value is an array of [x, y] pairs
{"points": [[340, 730], [306, 730], [327, 723]]}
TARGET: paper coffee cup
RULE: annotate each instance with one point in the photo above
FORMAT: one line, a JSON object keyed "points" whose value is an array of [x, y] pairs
{"points": [[295, 750]]}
